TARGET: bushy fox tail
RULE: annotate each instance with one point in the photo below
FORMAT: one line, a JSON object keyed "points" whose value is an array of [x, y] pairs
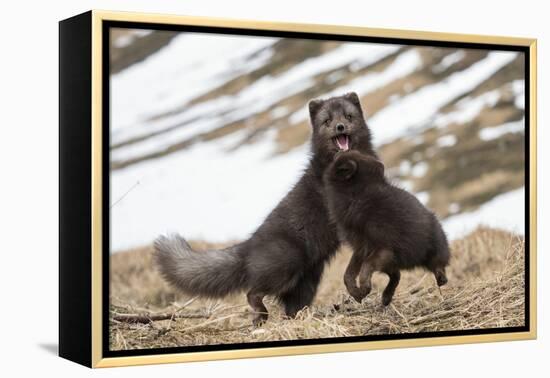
{"points": [[212, 274]]}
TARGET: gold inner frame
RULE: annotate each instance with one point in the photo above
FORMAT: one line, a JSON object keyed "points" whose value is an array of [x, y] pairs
{"points": [[97, 177]]}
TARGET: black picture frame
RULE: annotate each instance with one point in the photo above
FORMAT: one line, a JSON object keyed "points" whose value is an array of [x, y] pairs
{"points": [[84, 292]]}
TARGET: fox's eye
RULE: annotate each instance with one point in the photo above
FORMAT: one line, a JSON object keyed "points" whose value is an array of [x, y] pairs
{"points": [[348, 117], [327, 122]]}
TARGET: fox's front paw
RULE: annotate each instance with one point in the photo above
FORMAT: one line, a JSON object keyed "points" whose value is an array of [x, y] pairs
{"points": [[386, 298], [365, 290], [259, 320], [441, 279], [359, 293]]}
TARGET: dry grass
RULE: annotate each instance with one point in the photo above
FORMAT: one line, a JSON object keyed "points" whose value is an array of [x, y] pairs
{"points": [[485, 290]]}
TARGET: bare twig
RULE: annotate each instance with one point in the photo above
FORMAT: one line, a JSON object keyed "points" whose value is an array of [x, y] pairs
{"points": [[124, 195], [208, 322], [148, 318]]}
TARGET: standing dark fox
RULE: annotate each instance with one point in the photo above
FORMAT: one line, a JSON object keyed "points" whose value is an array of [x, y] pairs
{"points": [[286, 255], [387, 227]]}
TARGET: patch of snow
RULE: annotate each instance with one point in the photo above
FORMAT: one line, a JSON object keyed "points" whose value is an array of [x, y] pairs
{"points": [[419, 108], [278, 112], [404, 168], [446, 141], [448, 61], [298, 116], [205, 193], [184, 69], [506, 211], [490, 133], [454, 208], [405, 184], [404, 65], [129, 38], [518, 87], [419, 169], [394, 98], [335, 76], [423, 197], [468, 108]]}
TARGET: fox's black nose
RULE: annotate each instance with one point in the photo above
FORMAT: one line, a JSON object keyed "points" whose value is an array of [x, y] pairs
{"points": [[339, 127]]}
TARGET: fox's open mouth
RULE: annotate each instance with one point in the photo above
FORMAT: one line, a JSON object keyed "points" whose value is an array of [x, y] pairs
{"points": [[342, 142]]}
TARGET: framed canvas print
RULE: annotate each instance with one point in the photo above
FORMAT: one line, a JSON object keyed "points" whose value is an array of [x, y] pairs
{"points": [[234, 189]]}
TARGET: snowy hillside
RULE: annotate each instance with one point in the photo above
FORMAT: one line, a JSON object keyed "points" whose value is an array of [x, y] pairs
{"points": [[208, 132]]}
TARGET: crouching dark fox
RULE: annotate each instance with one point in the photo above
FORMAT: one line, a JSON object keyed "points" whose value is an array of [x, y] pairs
{"points": [[286, 255], [387, 227]]}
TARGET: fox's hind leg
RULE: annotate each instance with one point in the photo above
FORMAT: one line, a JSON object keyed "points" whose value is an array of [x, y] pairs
{"points": [[440, 276], [255, 300], [440, 254], [384, 261]]}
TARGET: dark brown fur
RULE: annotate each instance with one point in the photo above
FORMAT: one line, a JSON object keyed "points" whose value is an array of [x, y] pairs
{"points": [[286, 256], [387, 227]]}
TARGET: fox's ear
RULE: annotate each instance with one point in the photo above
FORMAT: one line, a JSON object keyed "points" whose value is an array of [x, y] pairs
{"points": [[353, 98], [377, 167], [314, 106]]}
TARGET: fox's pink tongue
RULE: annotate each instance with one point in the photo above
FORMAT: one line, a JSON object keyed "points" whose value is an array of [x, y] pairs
{"points": [[342, 141]]}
